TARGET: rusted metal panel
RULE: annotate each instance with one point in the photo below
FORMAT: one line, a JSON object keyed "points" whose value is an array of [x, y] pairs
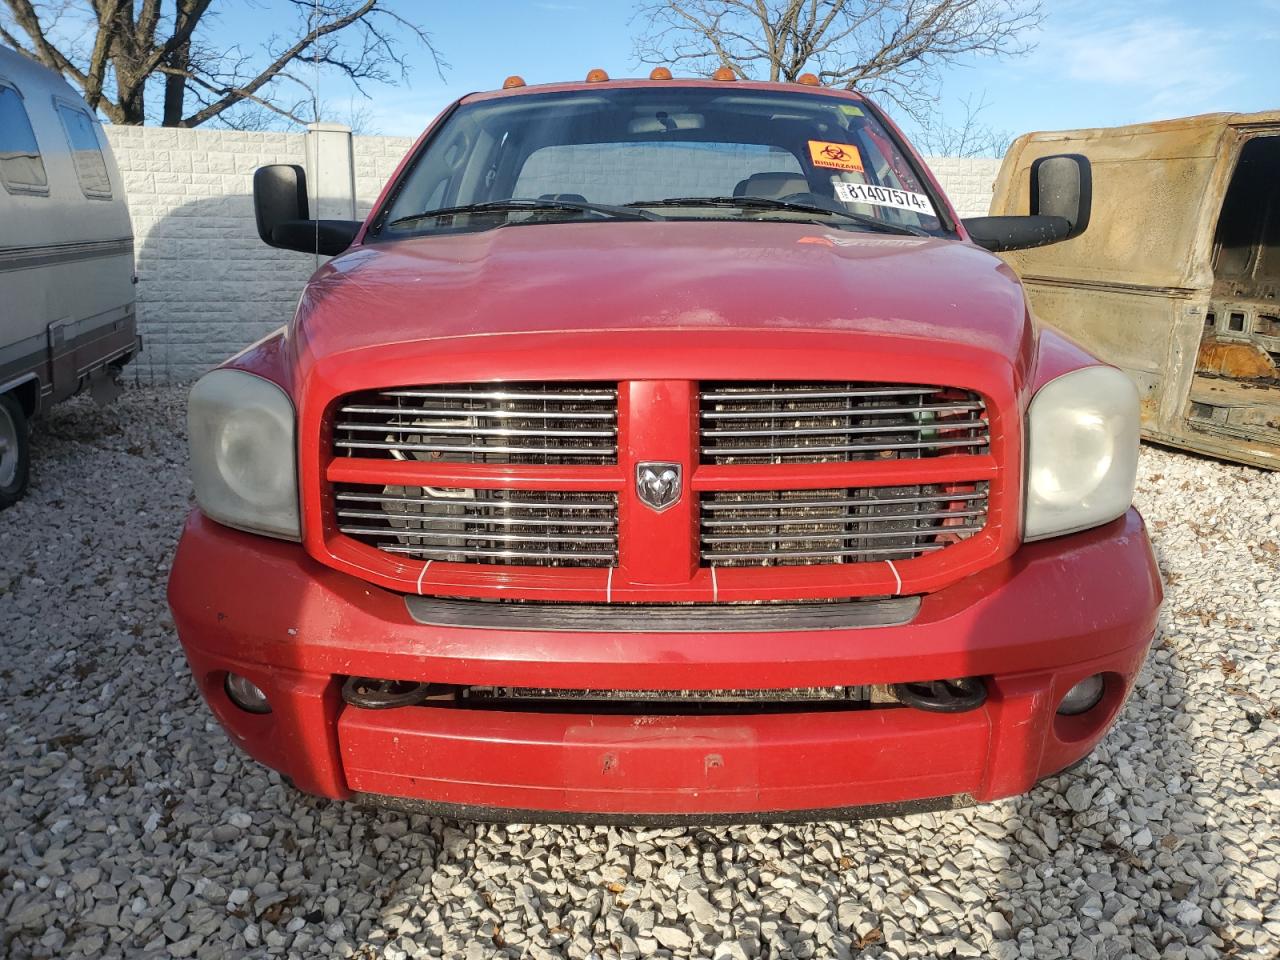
{"points": [[1149, 186], [1238, 361], [1139, 287]]}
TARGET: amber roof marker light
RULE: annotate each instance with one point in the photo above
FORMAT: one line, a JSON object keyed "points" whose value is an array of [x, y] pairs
{"points": [[659, 73], [597, 76], [512, 81], [724, 73], [809, 80]]}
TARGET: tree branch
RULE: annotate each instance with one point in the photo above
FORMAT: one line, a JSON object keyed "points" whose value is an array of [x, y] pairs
{"points": [[239, 94], [131, 44], [24, 14]]}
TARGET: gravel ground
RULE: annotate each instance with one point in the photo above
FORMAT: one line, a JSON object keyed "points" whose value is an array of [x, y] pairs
{"points": [[131, 827]]}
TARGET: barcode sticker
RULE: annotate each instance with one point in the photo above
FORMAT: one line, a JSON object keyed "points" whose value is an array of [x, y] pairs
{"points": [[883, 197]]}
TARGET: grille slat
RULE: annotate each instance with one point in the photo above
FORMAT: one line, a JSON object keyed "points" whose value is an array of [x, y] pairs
{"points": [[470, 555], [813, 451], [470, 535], [487, 449], [471, 393], [746, 422], [820, 431], [508, 503], [480, 414], [781, 557], [812, 535], [771, 528], [832, 412], [528, 423], [475, 431], [531, 528], [496, 521], [812, 392]]}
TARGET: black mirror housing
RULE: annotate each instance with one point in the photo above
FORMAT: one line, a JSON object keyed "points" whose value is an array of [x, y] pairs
{"points": [[1062, 186], [279, 195], [1016, 233], [1061, 203], [281, 209], [326, 237]]}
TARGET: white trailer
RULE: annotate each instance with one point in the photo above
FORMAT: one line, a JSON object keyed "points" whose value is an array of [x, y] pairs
{"points": [[67, 318]]}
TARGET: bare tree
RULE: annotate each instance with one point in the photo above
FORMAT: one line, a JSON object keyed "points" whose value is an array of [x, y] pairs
{"points": [[971, 137], [116, 51], [886, 48]]}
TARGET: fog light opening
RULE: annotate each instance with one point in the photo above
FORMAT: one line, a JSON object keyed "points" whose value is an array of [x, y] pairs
{"points": [[246, 694], [1083, 697]]}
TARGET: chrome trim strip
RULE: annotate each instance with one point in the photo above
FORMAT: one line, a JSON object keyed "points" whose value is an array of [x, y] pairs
{"points": [[461, 448], [497, 414], [663, 618], [838, 412], [566, 395], [473, 518], [27, 258], [854, 554], [418, 533], [488, 504], [746, 393]]}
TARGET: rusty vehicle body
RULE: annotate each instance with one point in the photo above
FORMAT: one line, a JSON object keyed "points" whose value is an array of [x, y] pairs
{"points": [[1178, 281]]}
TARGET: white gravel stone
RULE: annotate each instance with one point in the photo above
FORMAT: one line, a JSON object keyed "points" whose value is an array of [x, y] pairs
{"points": [[130, 826]]}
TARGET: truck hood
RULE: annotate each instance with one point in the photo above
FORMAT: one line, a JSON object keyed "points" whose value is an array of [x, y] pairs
{"points": [[612, 276]]}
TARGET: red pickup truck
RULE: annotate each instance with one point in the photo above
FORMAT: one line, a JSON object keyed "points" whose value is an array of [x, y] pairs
{"points": [[665, 450]]}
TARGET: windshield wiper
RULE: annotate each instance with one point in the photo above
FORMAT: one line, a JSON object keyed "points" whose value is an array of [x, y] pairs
{"points": [[516, 204], [769, 203]]}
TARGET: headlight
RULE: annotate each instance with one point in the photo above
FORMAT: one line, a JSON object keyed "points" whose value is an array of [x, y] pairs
{"points": [[242, 436], [1082, 451]]}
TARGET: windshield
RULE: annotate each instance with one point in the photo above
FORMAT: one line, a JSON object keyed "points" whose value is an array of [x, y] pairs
{"points": [[646, 154]]}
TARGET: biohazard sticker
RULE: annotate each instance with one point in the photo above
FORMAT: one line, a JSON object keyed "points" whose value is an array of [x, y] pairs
{"points": [[837, 156], [883, 197]]}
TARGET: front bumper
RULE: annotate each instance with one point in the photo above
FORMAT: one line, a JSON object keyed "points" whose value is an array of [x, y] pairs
{"points": [[1053, 614]]}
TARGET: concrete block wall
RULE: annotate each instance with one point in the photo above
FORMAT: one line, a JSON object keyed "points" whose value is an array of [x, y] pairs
{"points": [[967, 181], [208, 287]]}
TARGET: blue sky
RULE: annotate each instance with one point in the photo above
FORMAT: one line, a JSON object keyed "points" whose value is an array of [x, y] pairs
{"points": [[1095, 63]]}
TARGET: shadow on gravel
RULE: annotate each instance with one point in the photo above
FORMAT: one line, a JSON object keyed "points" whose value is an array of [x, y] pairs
{"points": [[1120, 857], [132, 827], [1117, 857]]}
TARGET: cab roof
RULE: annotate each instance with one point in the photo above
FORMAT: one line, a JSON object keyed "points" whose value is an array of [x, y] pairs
{"points": [[562, 86]]}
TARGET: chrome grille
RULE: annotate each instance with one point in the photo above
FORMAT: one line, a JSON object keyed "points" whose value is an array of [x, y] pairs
{"points": [[524, 423], [529, 528], [788, 422], [790, 527]]}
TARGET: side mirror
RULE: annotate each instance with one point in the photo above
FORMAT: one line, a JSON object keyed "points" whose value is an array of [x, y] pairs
{"points": [[1061, 201], [280, 206]]}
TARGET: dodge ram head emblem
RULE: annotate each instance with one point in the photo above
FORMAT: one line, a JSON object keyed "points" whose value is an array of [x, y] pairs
{"points": [[658, 484]]}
